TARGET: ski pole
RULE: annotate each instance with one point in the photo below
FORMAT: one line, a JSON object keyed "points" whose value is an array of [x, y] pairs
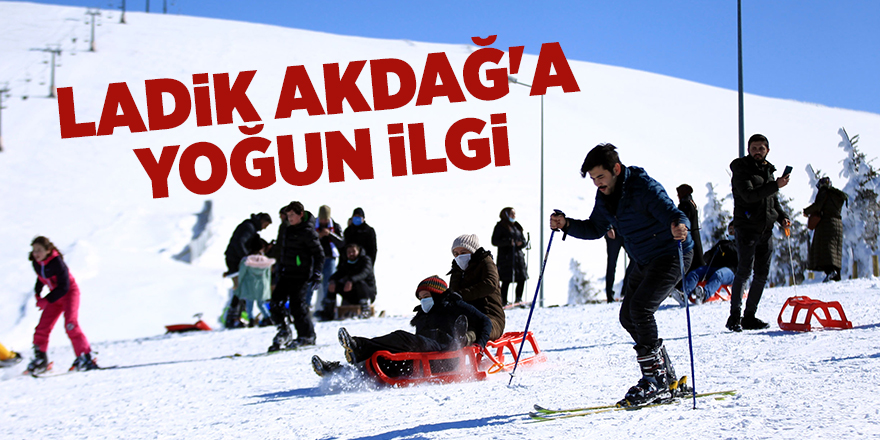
{"points": [[790, 261], [690, 337], [534, 301]]}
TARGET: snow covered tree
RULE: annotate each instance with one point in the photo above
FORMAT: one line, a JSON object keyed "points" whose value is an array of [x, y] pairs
{"points": [[861, 217], [715, 218], [580, 287], [781, 266]]}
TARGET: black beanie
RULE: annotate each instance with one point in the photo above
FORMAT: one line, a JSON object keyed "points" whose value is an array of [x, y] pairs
{"points": [[358, 212]]}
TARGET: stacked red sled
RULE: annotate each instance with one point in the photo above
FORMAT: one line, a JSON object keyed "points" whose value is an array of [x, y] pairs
{"points": [[469, 363]]}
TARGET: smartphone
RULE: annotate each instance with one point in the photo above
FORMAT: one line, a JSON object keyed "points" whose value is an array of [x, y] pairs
{"points": [[787, 171]]}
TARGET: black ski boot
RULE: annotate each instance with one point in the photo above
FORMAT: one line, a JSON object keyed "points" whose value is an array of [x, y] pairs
{"points": [[84, 362], [301, 342], [323, 368], [677, 385], [282, 339], [349, 345], [653, 387], [40, 363]]}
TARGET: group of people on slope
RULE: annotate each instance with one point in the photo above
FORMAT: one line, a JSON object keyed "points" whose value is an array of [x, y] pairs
{"points": [[302, 259]]}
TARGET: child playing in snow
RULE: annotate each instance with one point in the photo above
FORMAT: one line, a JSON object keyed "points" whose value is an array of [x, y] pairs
{"points": [[63, 298], [254, 277]]}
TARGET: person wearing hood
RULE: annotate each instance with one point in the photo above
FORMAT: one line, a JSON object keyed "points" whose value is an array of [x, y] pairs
{"points": [[443, 322], [826, 249], [755, 209], [510, 240], [358, 231], [302, 260], [474, 276], [235, 251]]}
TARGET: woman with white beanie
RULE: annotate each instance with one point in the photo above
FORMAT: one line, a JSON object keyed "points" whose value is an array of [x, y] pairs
{"points": [[475, 277]]}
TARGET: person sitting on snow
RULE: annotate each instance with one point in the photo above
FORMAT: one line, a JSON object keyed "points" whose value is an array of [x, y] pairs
{"points": [[443, 322], [720, 261]]}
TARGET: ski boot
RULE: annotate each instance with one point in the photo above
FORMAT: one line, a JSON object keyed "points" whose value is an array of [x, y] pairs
{"points": [[349, 345], [282, 339], [323, 368], [677, 385], [84, 362], [653, 387], [39, 364], [365, 309], [301, 342]]}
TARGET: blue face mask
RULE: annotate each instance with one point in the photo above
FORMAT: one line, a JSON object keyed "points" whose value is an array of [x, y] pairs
{"points": [[352, 261], [427, 303], [357, 220], [511, 220]]}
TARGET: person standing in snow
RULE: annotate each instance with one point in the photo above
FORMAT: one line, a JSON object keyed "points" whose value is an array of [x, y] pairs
{"points": [[687, 205], [63, 298], [641, 212], [358, 231], [443, 322], [330, 234], [474, 276], [302, 259], [8, 358], [826, 249], [755, 209], [508, 237], [255, 280], [235, 251]]}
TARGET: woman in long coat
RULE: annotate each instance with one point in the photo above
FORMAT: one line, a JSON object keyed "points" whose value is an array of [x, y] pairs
{"points": [[826, 250], [508, 237]]}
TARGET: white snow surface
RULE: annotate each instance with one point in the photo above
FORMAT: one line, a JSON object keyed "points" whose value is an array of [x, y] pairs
{"points": [[93, 199]]}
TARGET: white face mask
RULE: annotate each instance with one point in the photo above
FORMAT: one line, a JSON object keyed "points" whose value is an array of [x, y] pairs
{"points": [[427, 303], [462, 261]]}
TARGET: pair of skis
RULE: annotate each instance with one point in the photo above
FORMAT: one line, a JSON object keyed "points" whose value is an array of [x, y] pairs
{"points": [[541, 414]]}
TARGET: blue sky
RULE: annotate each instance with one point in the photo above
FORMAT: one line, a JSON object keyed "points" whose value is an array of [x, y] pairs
{"points": [[825, 52]]}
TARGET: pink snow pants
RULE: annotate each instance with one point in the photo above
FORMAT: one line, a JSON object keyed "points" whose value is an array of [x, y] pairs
{"points": [[69, 306]]}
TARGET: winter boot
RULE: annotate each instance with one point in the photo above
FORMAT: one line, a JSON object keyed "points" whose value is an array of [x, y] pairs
{"points": [[15, 359], [323, 368], [40, 363], [349, 345], [678, 296], [365, 309], [84, 362], [734, 324], [749, 322], [302, 341], [282, 339], [653, 387], [459, 333], [698, 295]]}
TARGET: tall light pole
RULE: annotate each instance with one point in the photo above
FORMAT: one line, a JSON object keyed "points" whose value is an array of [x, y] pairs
{"points": [[739, 44], [513, 80]]}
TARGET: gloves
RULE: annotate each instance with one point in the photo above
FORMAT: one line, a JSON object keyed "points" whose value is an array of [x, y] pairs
{"points": [[42, 303]]}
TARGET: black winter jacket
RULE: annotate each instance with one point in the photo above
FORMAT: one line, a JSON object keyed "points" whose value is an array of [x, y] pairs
{"points": [[360, 273], [510, 256], [437, 324], [755, 205], [365, 236], [237, 248], [302, 256]]}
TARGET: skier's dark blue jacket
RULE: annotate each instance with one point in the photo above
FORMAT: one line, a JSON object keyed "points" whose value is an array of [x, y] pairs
{"points": [[644, 218]]}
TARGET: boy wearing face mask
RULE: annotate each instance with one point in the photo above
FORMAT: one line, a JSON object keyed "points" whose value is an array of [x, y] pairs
{"points": [[474, 276], [443, 322]]}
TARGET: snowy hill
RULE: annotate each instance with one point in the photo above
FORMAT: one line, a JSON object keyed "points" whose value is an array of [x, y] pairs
{"points": [[92, 197]]}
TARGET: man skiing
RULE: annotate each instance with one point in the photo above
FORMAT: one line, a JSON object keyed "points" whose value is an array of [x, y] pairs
{"points": [[641, 212]]}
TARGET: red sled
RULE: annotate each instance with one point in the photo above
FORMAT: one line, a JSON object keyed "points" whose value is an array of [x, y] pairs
{"points": [[182, 328], [468, 364]]}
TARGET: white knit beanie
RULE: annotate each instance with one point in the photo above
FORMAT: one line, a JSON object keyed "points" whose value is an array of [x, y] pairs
{"points": [[467, 241]]}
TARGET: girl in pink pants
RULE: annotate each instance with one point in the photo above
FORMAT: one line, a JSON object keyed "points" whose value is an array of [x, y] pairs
{"points": [[63, 298]]}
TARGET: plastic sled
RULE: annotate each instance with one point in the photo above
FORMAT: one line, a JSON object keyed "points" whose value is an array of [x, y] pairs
{"points": [[469, 363], [812, 308], [181, 328]]}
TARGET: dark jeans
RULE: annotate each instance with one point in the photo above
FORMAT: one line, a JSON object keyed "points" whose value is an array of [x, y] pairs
{"points": [[754, 250], [295, 291], [398, 341], [613, 249], [646, 286]]}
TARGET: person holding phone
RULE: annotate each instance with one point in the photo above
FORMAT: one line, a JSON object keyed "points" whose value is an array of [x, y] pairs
{"points": [[755, 209]]}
